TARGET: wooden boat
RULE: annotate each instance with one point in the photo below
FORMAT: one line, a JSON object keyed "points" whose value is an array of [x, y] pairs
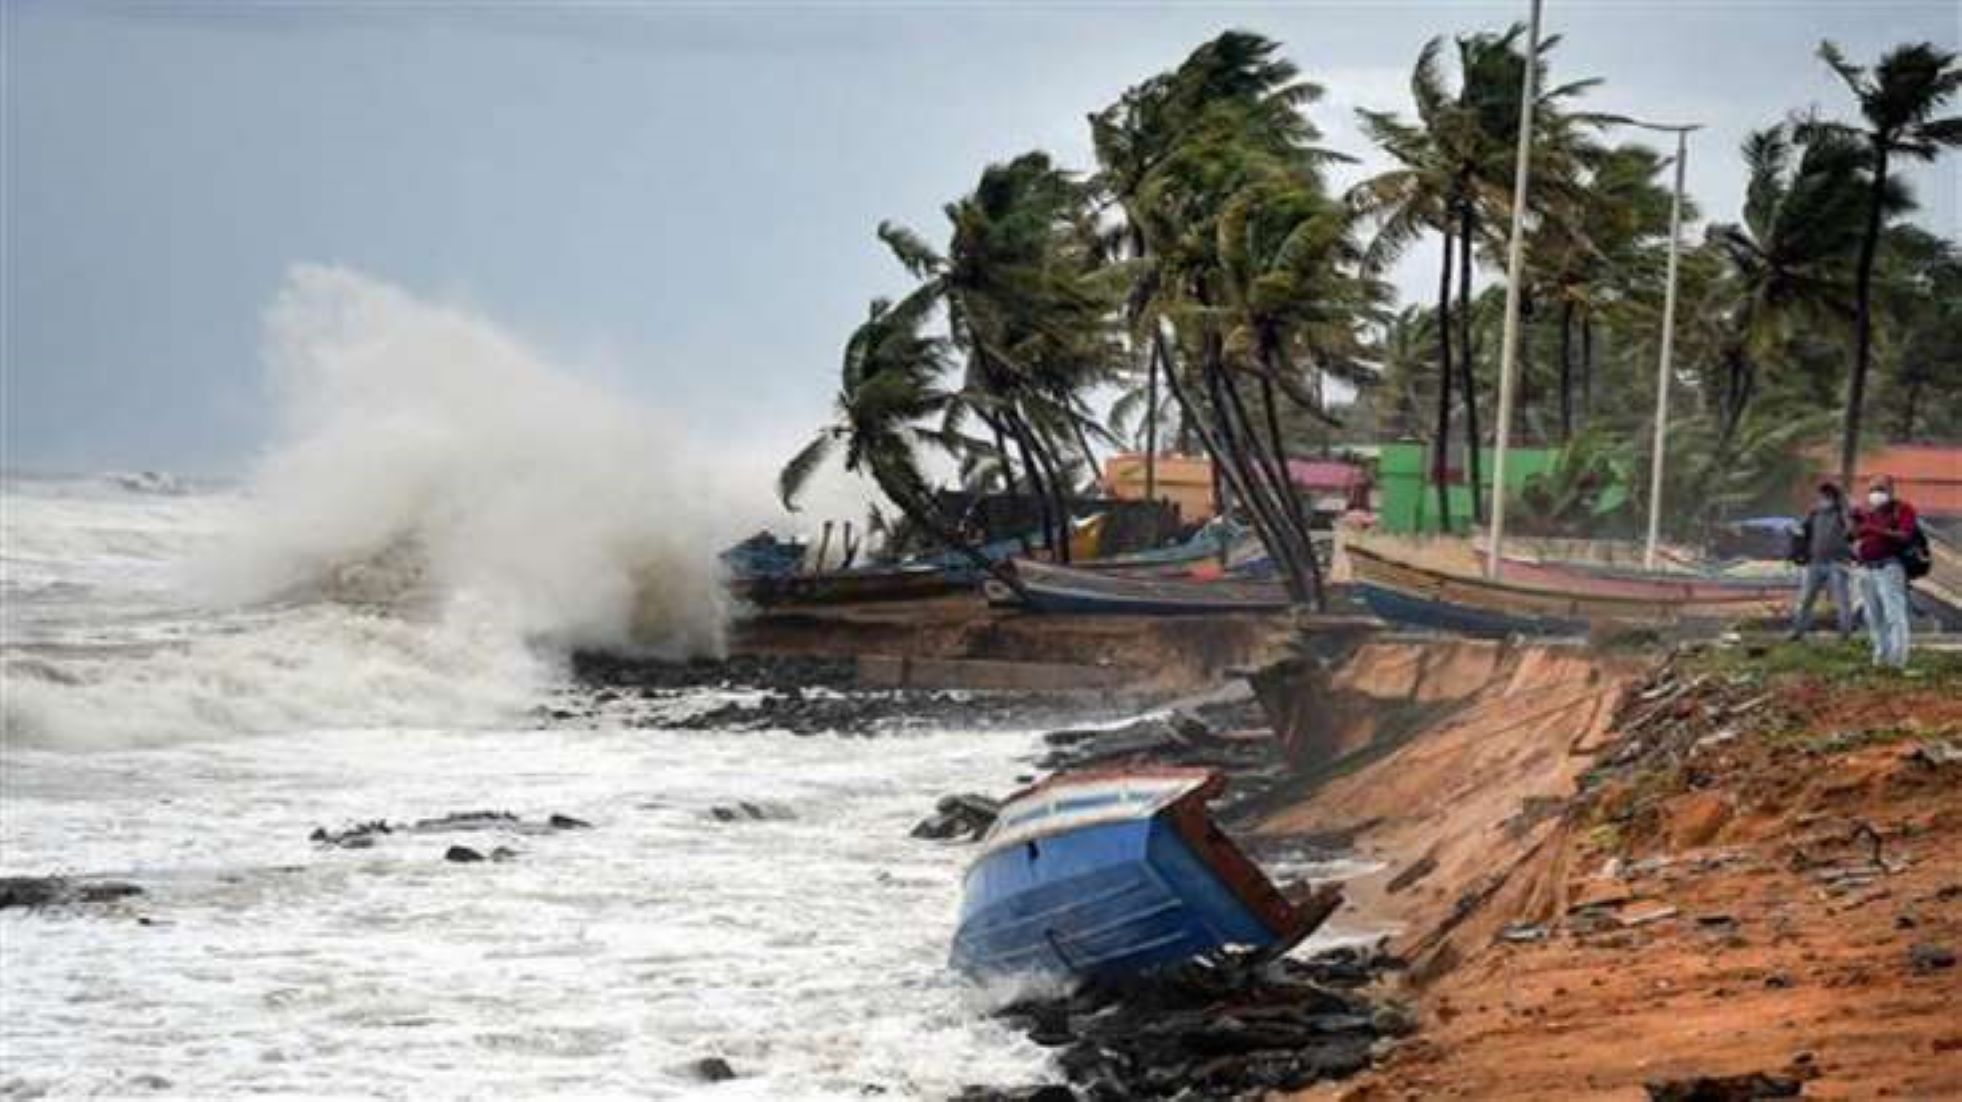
{"points": [[1425, 596], [884, 583], [1105, 875], [1064, 589], [1626, 582]]}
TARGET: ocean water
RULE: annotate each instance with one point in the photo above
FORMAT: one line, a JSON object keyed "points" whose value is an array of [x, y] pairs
{"points": [[157, 734]]}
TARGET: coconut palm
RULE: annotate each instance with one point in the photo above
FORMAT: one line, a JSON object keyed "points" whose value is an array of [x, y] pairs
{"points": [[1591, 252], [1030, 311], [1899, 101], [1224, 132], [1789, 261], [1453, 175], [889, 392]]}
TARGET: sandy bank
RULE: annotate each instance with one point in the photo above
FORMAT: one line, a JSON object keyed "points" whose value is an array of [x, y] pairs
{"points": [[1610, 882]]}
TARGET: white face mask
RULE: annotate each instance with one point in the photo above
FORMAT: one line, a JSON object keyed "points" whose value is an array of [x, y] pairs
{"points": [[1876, 498]]}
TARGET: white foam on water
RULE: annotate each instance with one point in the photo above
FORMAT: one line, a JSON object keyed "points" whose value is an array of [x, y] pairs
{"points": [[444, 514], [809, 952]]}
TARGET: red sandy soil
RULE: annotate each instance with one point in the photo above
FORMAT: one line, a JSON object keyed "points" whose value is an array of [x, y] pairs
{"points": [[1747, 896]]}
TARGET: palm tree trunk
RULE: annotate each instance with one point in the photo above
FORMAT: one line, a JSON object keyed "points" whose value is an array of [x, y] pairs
{"points": [[1587, 368], [1293, 495], [1566, 371], [1151, 423], [1019, 433], [1467, 220], [1223, 470], [1240, 446], [1856, 391], [1009, 481], [1441, 437], [1059, 491]]}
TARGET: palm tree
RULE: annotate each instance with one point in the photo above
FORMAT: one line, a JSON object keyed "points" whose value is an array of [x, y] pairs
{"points": [[1192, 158], [1453, 175], [1787, 262], [1030, 310], [1898, 102], [1591, 251], [889, 387]]}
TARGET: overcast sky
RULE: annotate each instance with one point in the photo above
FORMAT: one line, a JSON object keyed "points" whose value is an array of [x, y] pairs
{"points": [[677, 199]]}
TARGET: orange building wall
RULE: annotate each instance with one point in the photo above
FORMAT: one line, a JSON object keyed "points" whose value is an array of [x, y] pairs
{"points": [[1184, 480]]}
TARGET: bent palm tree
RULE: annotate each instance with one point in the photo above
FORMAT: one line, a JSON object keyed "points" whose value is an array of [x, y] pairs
{"points": [[1898, 101], [889, 387]]}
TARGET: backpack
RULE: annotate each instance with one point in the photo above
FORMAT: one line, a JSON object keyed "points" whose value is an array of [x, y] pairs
{"points": [[1917, 558]]}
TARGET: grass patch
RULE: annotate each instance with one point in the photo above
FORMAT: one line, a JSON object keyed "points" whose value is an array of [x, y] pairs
{"points": [[1835, 662]]}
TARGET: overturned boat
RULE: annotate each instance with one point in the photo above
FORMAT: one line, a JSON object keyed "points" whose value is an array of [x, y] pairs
{"points": [[1106, 875]]}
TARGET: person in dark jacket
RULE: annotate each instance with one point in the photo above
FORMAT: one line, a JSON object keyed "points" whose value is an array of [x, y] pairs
{"points": [[1824, 551], [1882, 533]]}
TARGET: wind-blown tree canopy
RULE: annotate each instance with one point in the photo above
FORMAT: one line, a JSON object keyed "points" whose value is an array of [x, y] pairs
{"points": [[1031, 312], [1453, 175], [1205, 277], [1790, 259], [1243, 269], [1900, 100]]}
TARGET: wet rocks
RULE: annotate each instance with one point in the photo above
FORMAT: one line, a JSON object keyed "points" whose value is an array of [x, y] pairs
{"points": [[60, 891], [462, 855], [601, 670], [751, 812], [1205, 1031], [963, 815], [366, 835], [713, 1069], [1926, 958], [1724, 1088]]}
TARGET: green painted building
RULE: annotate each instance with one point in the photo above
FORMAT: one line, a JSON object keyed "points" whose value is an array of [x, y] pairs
{"points": [[1407, 498]]}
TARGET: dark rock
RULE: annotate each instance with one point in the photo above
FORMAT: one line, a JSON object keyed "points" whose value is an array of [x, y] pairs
{"points": [[1217, 1029], [57, 891], [462, 854], [713, 1069], [1724, 1088], [959, 816], [1926, 957], [567, 822]]}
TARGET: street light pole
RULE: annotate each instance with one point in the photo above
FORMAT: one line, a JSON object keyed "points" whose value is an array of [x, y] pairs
{"points": [[1664, 365], [1515, 261]]}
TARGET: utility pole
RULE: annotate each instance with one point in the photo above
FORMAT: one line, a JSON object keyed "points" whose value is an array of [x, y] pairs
{"points": [[1515, 262], [1665, 365]]}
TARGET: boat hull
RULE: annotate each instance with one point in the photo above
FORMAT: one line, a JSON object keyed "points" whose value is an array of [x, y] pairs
{"points": [[1414, 611], [1101, 902], [1427, 597]]}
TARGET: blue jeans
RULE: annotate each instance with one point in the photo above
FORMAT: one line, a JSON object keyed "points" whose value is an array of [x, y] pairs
{"points": [[1818, 576], [1883, 594]]}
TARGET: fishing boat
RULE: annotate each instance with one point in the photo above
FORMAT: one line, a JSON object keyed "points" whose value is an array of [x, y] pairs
{"points": [[1626, 582], [1048, 588], [1429, 597], [1106, 875]]}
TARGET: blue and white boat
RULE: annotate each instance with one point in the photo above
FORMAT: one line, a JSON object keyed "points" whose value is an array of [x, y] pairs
{"points": [[1106, 875]]}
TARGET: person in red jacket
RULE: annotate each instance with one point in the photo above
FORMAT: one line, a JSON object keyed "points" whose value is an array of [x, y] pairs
{"points": [[1882, 533]]}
